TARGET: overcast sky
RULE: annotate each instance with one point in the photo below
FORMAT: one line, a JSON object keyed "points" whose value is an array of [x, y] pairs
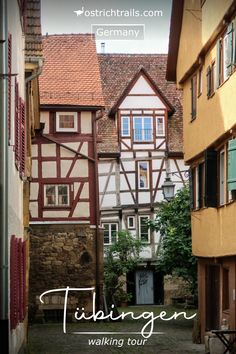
{"points": [[151, 19]]}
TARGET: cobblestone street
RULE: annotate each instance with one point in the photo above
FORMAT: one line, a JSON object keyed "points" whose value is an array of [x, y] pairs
{"points": [[175, 337]]}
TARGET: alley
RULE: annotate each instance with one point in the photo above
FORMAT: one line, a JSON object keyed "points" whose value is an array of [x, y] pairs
{"points": [[173, 336]]}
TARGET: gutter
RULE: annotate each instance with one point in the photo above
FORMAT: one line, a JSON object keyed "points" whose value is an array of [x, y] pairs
{"points": [[4, 291]]}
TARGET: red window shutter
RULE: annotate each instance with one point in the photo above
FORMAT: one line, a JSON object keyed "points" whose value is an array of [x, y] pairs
{"points": [[24, 278], [9, 58], [22, 139], [20, 280], [14, 299], [17, 125]]}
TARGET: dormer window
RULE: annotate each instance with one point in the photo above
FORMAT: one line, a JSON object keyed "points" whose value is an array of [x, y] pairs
{"points": [[66, 122]]}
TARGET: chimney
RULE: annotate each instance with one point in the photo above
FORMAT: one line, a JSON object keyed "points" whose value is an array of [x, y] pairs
{"points": [[103, 47]]}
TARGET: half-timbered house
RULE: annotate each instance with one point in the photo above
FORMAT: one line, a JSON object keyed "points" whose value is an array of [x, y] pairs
{"points": [[140, 144], [65, 241]]}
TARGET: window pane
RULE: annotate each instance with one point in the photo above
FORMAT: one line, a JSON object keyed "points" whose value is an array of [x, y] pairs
{"points": [[143, 175], [63, 195], [125, 126], [113, 233], [66, 121], [50, 195], [138, 129], [144, 231], [160, 126], [106, 233]]}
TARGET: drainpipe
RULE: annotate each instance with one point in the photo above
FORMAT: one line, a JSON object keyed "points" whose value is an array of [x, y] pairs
{"points": [[4, 320], [38, 61], [97, 217]]}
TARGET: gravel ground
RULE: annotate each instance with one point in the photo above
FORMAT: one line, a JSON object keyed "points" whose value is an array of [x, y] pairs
{"points": [[175, 336]]}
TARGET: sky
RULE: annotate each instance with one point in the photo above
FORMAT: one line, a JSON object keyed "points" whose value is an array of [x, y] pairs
{"points": [[125, 26]]}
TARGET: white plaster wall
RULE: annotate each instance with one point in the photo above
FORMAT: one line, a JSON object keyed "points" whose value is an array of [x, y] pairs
{"points": [[142, 87], [141, 102], [34, 191], [86, 122], [44, 118], [49, 169], [48, 150], [82, 210], [55, 213], [15, 198], [80, 169]]}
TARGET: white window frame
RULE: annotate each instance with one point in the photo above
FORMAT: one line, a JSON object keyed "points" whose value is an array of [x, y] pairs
{"points": [[109, 229], [74, 114], [148, 182], [163, 123], [56, 189], [131, 217], [143, 140], [149, 231], [122, 126]]}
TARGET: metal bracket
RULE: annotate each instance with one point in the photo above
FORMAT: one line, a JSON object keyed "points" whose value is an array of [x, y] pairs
{"points": [[6, 76]]}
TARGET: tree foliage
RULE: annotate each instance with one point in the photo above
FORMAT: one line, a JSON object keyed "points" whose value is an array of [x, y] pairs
{"points": [[173, 221], [121, 258]]}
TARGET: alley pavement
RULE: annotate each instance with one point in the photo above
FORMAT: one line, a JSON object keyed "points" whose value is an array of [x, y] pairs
{"points": [[173, 336]]}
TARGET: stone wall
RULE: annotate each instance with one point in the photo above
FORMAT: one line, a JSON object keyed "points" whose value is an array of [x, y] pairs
{"points": [[61, 256]]}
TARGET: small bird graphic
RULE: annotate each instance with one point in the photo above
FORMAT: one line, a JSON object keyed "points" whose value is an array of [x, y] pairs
{"points": [[79, 12]]}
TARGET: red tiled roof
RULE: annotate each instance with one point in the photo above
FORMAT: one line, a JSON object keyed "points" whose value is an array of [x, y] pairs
{"points": [[71, 72], [33, 36], [117, 71]]}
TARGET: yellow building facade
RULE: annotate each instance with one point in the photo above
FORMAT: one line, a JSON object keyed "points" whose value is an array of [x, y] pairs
{"points": [[202, 60]]}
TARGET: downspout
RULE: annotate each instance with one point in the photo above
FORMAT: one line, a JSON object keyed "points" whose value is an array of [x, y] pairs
{"points": [[37, 60], [4, 289], [97, 218]]}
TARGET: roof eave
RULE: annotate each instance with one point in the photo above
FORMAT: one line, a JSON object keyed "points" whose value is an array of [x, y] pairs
{"points": [[174, 38]]}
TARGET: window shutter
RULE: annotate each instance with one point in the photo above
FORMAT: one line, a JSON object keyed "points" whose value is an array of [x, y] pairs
{"points": [[9, 58], [14, 279], [208, 81], [210, 178], [232, 165], [228, 52], [17, 125], [234, 41], [218, 63], [191, 187], [24, 277], [22, 132]]}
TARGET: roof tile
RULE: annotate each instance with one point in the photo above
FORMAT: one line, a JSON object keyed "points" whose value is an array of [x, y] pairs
{"points": [[71, 73]]}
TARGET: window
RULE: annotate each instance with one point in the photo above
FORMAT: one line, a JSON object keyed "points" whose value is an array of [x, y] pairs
{"points": [[198, 189], [226, 54], [144, 231], [225, 289], [200, 81], [160, 129], [66, 122], [222, 177], [143, 129], [211, 79], [143, 174], [125, 126], [194, 97], [131, 222], [56, 195], [110, 233]]}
